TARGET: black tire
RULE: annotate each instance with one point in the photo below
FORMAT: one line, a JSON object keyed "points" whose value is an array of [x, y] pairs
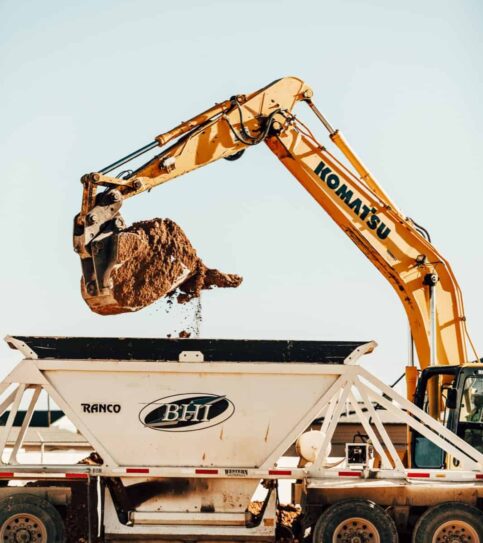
{"points": [[449, 518], [361, 518], [33, 515]]}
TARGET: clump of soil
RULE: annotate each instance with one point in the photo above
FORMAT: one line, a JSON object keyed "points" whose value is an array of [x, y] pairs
{"points": [[288, 514], [288, 518], [156, 259], [94, 459]]}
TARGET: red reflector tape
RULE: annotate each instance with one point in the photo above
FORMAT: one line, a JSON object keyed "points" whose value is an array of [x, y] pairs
{"points": [[137, 470], [76, 475], [280, 472], [350, 473], [206, 471], [479, 476], [7, 474], [415, 475]]}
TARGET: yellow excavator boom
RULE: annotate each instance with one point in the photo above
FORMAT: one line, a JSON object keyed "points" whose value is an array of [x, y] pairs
{"points": [[421, 277]]}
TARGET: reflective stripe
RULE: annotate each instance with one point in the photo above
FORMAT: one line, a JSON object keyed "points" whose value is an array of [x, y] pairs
{"points": [[350, 473]]}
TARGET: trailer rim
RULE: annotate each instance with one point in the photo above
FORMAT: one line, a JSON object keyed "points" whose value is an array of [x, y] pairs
{"points": [[455, 531], [460, 521], [356, 530], [38, 510], [23, 528], [372, 523]]}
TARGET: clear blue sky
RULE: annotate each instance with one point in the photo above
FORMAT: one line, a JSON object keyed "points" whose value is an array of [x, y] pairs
{"points": [[83, 83]]}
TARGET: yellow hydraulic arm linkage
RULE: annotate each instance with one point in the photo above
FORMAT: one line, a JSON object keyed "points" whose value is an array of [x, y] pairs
{"points": [[419, 274]]}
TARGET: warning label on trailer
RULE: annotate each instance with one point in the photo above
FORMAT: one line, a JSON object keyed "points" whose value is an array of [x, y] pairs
{"points": [[236, 472]]}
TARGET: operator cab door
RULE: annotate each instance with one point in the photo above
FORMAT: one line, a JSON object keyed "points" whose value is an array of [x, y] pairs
{"points": [[461, 411], [470, 408], [424, 453]]}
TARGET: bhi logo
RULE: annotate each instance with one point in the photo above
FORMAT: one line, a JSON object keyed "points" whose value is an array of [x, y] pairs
{"points": [[186, 412]]}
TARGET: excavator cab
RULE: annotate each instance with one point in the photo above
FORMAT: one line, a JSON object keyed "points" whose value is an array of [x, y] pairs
{"points": [[461, 411]]}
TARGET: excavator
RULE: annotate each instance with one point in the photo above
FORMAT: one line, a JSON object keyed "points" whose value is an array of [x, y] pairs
{"points": [[449, 384]]}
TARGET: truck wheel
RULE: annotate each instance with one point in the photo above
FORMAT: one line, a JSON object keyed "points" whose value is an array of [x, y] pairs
{"points": [[355, 521], [26, 518], [450, 521]]}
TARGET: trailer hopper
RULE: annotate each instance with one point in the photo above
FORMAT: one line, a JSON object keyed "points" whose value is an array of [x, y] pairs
{"points": [[187, 402]]}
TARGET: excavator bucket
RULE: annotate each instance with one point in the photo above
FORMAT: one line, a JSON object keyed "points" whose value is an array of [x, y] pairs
{"points": [[132, 268]]}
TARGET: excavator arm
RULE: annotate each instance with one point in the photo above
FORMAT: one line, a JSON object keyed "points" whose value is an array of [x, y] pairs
{"points": [[223, 131], [421, 277]]}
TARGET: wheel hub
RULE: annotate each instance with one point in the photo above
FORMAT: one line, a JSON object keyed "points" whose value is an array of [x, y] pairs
{"points": [[23, 536], [23, 529], [356, 530], [455, 531]]}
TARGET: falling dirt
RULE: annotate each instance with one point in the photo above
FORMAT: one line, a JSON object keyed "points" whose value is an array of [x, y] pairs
{"points": [[156, 260]]}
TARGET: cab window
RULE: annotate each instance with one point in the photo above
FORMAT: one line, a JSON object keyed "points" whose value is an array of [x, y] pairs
{"points": [[471, 412], [472, 400]]}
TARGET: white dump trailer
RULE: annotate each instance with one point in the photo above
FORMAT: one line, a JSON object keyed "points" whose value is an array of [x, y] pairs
{"points": [[187, 431]]}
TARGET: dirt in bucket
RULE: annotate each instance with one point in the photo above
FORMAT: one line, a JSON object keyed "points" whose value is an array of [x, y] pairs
{"points": [[155, 260]]}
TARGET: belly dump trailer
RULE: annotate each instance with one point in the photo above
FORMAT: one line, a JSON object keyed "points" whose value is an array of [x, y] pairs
{"points": [[186, 430]]}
